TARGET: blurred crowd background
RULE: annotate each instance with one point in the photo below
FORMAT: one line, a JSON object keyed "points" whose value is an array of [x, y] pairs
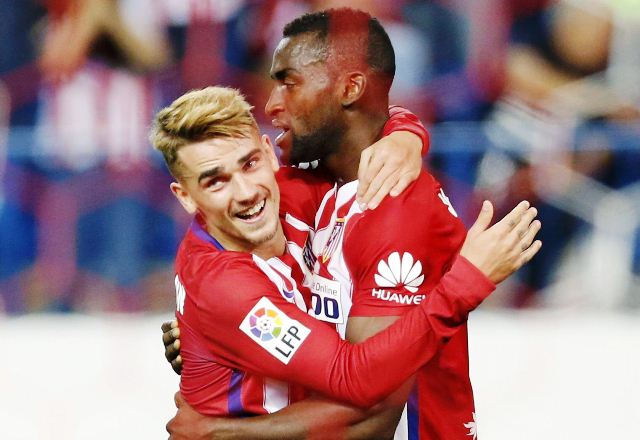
{"points": [[535, 99]]}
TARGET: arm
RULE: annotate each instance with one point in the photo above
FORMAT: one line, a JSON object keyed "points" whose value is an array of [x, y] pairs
{"points": [[308, 352], [392, 163], [379, 424]]}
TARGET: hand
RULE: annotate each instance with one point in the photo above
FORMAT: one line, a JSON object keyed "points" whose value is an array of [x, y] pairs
{"points": [[388, 167], [506, 246], [68, 40], [188, 424], [171, 340]]}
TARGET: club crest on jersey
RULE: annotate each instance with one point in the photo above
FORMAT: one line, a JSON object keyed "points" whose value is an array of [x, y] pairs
{"points": [[334, 239], [307, 255], [274, 331], [399, 273]]}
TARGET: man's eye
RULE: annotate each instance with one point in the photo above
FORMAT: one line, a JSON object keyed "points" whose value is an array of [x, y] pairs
{"points": [[251, 164], [214, 184]]}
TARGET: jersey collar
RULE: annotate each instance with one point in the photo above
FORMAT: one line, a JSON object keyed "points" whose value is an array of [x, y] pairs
{"points": [[198, 229]]}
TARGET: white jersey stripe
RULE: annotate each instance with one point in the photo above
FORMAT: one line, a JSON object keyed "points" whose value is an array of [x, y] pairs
{"points": [[276, 395]]}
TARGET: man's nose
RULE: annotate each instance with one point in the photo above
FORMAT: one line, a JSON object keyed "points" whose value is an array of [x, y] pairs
{"points": [[274, 104], [244, 190]]}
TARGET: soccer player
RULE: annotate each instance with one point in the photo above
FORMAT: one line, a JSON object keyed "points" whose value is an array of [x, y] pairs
{"points": [[331, 100], [243, 316], [361, 284]]}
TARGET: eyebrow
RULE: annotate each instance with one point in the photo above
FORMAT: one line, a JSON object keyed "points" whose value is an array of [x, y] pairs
{"points": [[281, 74], [213, 172], [247, 156]]}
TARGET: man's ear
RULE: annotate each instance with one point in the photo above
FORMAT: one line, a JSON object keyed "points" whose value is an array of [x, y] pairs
{"points": [[183, 197], [354, 84], [271, 154]]}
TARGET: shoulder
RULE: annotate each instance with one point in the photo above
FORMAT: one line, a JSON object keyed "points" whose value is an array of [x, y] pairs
{"points": [[417, 205], [203, 269], [302, 179], [420, 217], [301, 192]]}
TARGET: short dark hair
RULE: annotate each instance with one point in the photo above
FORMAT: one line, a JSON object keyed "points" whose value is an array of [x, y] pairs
{"points": [[380, 53]]}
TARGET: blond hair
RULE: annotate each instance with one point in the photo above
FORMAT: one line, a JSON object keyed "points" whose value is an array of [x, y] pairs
{"points": [[198, 115]]}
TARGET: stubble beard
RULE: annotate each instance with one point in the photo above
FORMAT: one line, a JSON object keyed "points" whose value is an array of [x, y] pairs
{"points": [[318, 144]]}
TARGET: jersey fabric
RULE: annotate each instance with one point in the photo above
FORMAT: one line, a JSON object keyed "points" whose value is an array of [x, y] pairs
{"points": [[383, 263], [242, 320]]}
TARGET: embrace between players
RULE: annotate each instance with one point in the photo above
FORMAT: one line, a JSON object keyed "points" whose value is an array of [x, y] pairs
{"points": [[300, 304]]}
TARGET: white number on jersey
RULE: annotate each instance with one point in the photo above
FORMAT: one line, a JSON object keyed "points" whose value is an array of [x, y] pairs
{"points": [[447, 202], [181, 295]]}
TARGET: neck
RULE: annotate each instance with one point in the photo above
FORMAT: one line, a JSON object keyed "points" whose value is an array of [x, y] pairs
{"points": [[364, 130]]}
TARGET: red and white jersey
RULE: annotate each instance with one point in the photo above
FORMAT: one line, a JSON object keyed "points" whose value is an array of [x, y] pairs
{"points": [[243, 320], [384, 263], [212, 388]]}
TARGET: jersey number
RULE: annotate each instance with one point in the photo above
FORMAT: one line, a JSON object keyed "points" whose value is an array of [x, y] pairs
{"points": [[325, 307]]}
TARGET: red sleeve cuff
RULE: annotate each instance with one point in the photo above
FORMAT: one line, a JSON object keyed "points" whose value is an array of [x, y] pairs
{"points": [[472, 286], [402, 119]]}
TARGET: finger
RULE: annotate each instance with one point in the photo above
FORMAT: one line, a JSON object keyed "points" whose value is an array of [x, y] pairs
{"points": [[382, 192], [375, 185], [402, 184], [170, 336], [178, 399], [176, 364], [512, 219], [530, 235], [166, 326], [172, 351], [364, 177], [484, 218], [527, 255], [377, 179], [523, 225]]}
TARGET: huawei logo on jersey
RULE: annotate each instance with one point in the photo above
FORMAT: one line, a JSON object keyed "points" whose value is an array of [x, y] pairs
{"points": [[399, 272]]}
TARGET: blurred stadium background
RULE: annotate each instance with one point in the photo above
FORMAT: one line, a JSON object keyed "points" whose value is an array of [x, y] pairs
{"points": [[535, 99]]}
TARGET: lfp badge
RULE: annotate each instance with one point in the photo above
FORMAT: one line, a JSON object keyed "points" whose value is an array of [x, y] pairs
{"points": [[273, 330], [265, 324]]}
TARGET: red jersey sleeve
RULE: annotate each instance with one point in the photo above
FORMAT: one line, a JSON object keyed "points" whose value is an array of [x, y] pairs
{"points": [[398, 252], [401, 119], [248, 324]]}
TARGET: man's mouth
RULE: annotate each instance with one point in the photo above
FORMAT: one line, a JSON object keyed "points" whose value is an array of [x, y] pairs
{"points": [[280, 138], [283, 140], [252, 213]]}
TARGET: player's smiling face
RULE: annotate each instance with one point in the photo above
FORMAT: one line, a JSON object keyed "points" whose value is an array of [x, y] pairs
{"points": [[231, 183], [303, 101]]}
